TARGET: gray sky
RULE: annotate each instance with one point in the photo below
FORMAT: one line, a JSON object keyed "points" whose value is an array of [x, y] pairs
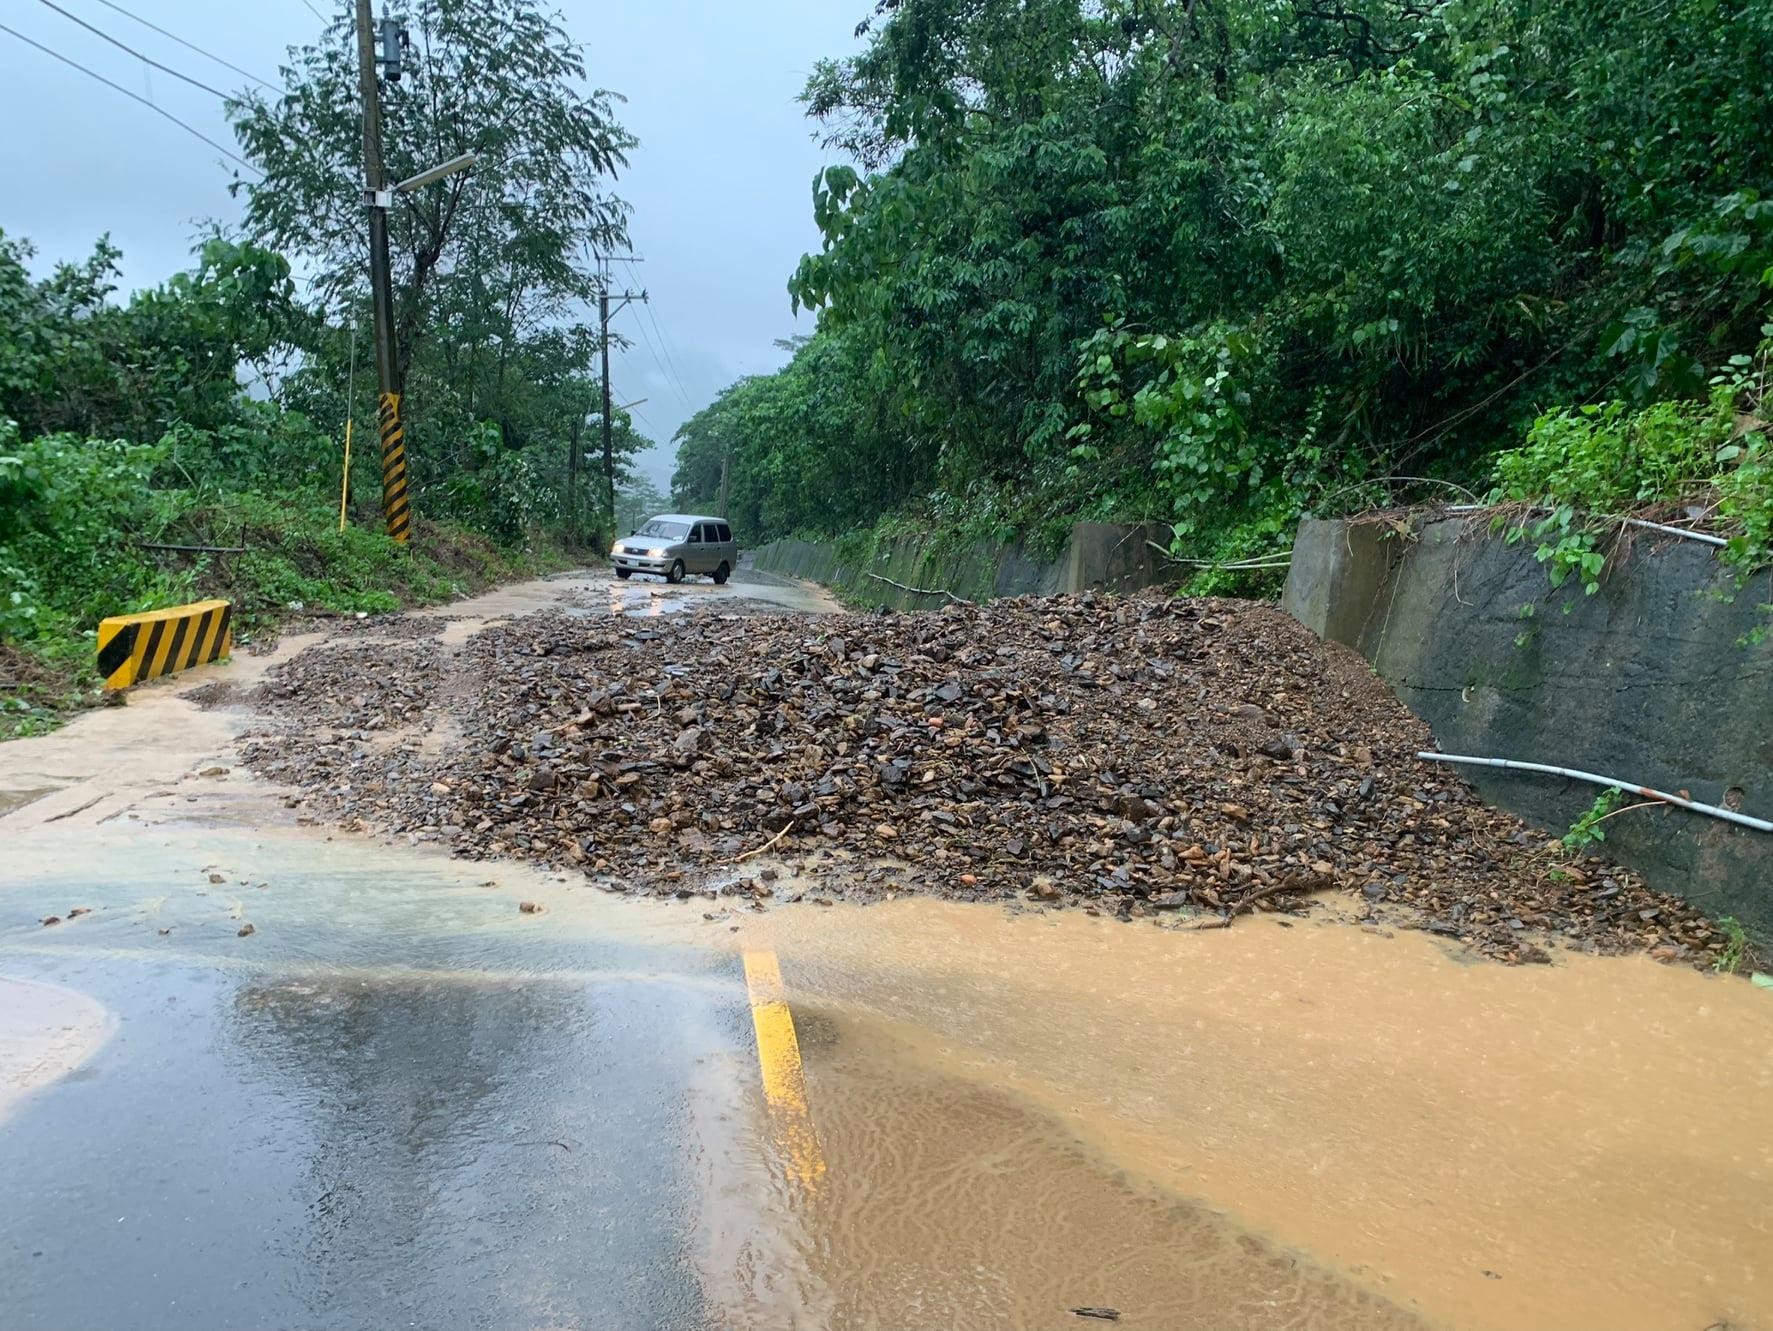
{"points": [[721, 183]]}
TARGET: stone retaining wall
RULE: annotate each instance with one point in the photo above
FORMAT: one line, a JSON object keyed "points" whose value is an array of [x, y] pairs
{"points": [[1098, 555]]}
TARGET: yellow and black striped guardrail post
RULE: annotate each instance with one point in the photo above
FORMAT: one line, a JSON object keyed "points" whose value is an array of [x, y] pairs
{"points": [[132, 648], [394, 503]]}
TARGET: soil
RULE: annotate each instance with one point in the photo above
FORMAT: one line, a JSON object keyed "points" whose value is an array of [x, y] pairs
{"points": [[1139, 757]]}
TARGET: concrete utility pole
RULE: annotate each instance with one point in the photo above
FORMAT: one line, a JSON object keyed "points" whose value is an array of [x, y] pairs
{"points": [[396, 510], [379, 196], [609, 456]]}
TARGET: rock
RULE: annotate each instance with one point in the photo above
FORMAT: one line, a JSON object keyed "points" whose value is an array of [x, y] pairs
{"points": [[218, 878], [989, 749], [48, 920], [528, 908], [244, 930]]}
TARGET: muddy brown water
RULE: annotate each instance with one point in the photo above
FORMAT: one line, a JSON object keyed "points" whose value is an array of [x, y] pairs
{"points": [[1582, 1145]]}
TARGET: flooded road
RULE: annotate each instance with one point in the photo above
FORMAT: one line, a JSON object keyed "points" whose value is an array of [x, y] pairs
{"points": [[401, 1099]]}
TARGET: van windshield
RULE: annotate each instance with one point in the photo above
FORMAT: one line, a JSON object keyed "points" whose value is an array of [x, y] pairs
{"points": [[671, 531]]}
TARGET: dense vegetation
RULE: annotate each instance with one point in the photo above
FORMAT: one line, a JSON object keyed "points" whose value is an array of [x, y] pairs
{"points": [[1217, 262], [210, 410]]}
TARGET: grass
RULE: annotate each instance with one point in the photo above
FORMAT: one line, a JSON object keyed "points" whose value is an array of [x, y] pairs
{"points": [[297, 561], [1736, 948]]}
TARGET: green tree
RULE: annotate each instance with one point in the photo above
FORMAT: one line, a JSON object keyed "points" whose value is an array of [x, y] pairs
{"points": [[1214, 263]]}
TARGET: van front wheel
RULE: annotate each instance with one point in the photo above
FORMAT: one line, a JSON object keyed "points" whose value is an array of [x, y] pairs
{"points": [[721, 574], [675, 573]]}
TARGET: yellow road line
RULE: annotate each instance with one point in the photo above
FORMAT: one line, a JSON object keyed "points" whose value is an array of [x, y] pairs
{"points": [[784, 1080]]}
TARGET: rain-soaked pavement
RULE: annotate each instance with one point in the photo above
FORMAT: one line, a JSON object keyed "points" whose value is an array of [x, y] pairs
{"points": [[402, 1100], [379, 1109]]}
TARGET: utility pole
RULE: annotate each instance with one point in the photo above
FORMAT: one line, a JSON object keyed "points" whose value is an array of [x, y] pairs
{"points": [[396, 510], [603, 313], [609, 457], [378, 195], [572, 477], [726, 475]]}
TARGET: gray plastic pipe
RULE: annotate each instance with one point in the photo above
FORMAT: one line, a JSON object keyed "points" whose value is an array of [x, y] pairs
{"points": [[1728, 815]]}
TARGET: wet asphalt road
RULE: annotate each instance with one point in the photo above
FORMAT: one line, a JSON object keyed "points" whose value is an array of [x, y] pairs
{"points": [[451, 1121]]}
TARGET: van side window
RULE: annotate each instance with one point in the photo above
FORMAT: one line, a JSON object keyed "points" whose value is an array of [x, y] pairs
{"points": [[726, 532], [695, 536]]}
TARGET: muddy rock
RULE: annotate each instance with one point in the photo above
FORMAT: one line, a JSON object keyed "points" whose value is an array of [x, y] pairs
{"points": [[992, 751]]}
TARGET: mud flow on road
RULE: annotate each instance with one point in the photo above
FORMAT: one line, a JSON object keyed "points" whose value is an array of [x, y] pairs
{"points": [[264, 1073]]}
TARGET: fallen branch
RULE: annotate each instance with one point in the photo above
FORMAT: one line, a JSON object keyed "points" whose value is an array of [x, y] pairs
{"points": [[192, 549], [766, 845], [1244, 903], [923, 591], [71, 812]]}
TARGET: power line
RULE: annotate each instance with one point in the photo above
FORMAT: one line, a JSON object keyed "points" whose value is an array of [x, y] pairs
{"points": [[189, 46], [125, 46], [664, 374], [675, 377], [133, 96], [664, 342], [315, 12]]}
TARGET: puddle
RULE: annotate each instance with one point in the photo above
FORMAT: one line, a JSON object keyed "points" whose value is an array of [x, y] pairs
{"points": [[46, 1032], [17, 799]]}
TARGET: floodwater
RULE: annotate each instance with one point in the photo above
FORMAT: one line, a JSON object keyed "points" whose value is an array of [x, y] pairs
{"points": [[401, 1100]]}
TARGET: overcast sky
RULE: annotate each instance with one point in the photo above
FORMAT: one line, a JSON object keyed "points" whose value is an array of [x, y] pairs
{"points": [[721, 183]]}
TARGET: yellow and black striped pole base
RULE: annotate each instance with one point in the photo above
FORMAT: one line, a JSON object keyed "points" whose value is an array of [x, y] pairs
{"points": [[394, 501], [132, 648]]}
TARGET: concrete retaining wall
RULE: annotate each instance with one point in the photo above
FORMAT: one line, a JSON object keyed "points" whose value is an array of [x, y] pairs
{"points": [[1097, 555], [1648, 681]]}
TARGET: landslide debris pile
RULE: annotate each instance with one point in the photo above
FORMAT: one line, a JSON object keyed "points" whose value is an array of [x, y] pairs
{"points": [[1135, 755]]}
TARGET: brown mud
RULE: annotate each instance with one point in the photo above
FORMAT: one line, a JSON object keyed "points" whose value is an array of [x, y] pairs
{"points": [[1132, 756]]}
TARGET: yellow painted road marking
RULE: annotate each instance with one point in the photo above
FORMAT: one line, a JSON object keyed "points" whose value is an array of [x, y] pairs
{"points": [[784, 1080]]}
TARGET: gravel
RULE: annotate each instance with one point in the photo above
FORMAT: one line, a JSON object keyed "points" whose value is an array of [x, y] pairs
{"points": [[1146, 756]]}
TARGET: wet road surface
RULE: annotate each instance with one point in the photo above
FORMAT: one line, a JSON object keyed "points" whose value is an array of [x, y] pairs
{"points": [[383, 1111]]}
